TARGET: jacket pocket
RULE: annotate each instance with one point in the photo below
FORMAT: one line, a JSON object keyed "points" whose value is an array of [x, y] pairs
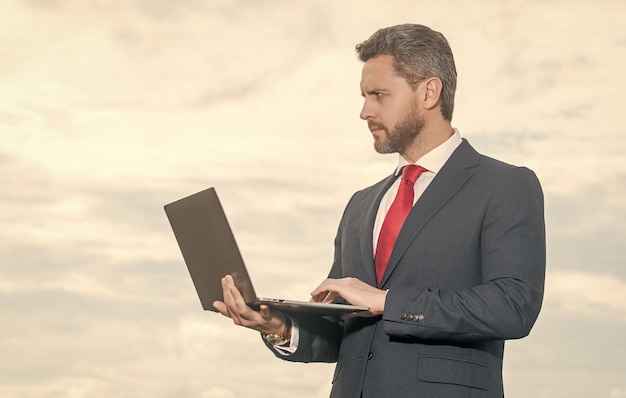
{"points": [[453, 371]]}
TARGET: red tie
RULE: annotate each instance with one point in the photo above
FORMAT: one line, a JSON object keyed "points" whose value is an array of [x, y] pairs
{"points": [[396, 215]]}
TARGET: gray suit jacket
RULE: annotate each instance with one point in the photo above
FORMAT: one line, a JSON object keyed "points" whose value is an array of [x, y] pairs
{"points": [[467, 273]]}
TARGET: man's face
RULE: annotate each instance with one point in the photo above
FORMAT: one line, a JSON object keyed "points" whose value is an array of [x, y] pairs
{"points": [[390, 107]]}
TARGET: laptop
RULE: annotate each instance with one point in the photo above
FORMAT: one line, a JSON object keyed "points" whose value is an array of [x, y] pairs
{"points": [[210, 251]]}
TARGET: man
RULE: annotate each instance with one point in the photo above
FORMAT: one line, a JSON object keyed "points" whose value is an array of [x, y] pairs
{"points": [[445, 284]]}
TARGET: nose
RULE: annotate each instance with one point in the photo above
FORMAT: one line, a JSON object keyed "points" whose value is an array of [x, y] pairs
{"points": [[367, 112]]}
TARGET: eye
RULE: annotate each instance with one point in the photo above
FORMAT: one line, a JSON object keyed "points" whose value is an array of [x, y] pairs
{"points": [[374, 94]]}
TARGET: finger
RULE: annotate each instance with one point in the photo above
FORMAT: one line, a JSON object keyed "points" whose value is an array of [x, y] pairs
{"points": [[242, 313], [322, 297], [232, 297], [322, 291], [226, 285], [318, 297], [230, 301], [265, 312], [233, 315], [319, 289], [220, 307], [330, 297], [228, 297], [240, 304]]}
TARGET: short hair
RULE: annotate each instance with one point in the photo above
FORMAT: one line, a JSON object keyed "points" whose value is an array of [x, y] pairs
{"points": [[418, 53]]}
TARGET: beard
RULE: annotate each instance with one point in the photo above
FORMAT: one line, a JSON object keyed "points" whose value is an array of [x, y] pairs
{"points": [[402, 135]]}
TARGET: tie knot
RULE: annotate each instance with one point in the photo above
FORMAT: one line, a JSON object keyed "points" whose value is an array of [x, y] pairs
{"points": [[412, 172]]}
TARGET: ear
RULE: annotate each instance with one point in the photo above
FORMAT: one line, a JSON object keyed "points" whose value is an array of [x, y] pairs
{"points": [[432, 92]]}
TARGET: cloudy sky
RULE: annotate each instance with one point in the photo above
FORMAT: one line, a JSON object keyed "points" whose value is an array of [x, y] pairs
{"points": [[111, 109]]}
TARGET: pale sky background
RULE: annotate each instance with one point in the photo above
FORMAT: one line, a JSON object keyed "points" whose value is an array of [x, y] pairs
{"points": [[111, 109]]}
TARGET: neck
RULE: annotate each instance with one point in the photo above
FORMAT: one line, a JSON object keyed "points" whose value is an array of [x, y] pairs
{"points": [[428, 139]]}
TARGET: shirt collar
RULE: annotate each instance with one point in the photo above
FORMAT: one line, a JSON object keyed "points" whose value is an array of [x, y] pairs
{"points": [[434, 160]]}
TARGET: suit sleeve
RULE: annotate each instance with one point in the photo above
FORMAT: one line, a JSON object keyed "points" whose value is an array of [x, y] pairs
{"points": [[507, 302], [320, 338]]}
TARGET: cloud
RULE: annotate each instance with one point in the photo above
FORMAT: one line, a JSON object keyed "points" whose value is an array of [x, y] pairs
{"points": [[587, 295], [112, 109]]}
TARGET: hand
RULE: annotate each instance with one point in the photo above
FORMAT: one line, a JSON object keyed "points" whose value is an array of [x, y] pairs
{"points": [[355, 292], [234, 307]]}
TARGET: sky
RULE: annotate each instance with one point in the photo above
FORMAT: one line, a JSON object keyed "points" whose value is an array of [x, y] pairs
{"points": [[111, 109]]}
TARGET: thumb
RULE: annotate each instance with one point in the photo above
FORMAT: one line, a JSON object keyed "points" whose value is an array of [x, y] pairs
{"points": [[265, 312]]}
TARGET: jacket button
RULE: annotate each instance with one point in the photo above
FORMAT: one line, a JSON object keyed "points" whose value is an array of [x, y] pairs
{"points": [[420, 318], [404, 316], [370, 355]]}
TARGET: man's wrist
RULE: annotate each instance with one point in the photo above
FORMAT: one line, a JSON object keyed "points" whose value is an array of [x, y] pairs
{"points": [[282, 338], [380, 306], [287, 330]]}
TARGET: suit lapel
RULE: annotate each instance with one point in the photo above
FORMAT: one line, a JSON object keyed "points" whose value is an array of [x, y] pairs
{"points": [[445, 185], [366, 227]]}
